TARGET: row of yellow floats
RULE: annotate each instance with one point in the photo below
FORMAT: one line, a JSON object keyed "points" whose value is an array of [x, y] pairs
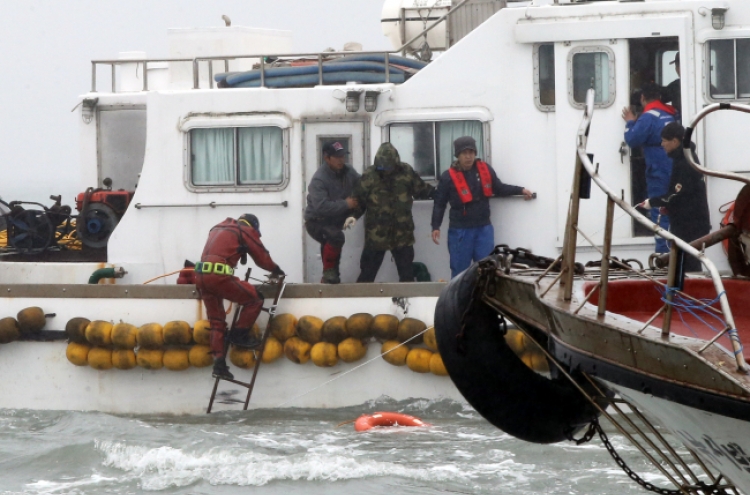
{"points": [[177, 346]]}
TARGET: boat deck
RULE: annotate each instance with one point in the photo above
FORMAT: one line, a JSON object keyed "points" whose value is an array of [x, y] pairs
{"points": [[641, 299]]}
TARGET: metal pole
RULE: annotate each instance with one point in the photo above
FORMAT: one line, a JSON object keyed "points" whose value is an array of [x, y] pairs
{"points": [[262, 71], [93, 77], [571, 234], [196, 81], [402, 32], [606, 250], [671, 276], [211, 74], [387, 61], [145, 76], [320, 69], [113, 77]]}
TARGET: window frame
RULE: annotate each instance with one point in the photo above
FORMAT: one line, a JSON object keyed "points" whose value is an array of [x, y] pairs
{"points": [[434, 122], [235, 122], [612, 75], [707, 66], [537, 84]]}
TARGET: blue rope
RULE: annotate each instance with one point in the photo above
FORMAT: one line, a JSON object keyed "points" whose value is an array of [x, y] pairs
{"points": [[684, 305]]}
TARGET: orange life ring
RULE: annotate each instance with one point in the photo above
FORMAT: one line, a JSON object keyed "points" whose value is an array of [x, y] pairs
{"points": [[368, 421]]}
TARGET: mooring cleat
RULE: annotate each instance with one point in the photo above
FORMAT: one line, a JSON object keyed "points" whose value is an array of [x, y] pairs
{"points": [[221, 370]]}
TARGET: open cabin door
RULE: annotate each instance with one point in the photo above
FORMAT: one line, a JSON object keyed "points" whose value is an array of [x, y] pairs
{"points": [[602, 65], [352, 135]]}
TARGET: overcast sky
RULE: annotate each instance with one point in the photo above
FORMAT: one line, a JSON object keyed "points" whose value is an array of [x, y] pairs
{"points": [[46, 47]]}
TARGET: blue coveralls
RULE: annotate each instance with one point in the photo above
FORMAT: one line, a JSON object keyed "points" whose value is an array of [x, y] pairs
{"points": [[646, 132]]}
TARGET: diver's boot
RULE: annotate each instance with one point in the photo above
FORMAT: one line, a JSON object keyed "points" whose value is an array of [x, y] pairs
{"points": [[331, 276], [241, 337], [221, 370]]}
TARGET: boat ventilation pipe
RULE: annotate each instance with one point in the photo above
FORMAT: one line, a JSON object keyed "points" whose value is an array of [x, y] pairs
{"points": [[106, 273]]}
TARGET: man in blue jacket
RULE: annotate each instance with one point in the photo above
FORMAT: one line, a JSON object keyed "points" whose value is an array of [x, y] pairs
{"points": [[468, 185], [645, 131]]}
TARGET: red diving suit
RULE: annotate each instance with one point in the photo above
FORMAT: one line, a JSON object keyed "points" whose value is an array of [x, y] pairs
{"points": [[226, 244]]}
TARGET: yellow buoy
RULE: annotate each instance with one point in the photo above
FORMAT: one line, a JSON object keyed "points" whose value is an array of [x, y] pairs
{"points": [[351, 350], [124, 336], [324, 354], [437, 367], [31, 320], [385, 327], [310, 329], [100, 358], [410, 329], [334, 330], [9, 330], [283, 326], [99, 333], [78, 353], [177, 333], [273, 350], [297, 350], [419, 360], [429, 339], [516, 340], [358, 326], [200, 356], [75, 329], [123, 359], [394, 352], [150, 336], [176, 359], [202, 332], [151, 359], [536, 361], [242, 357]]}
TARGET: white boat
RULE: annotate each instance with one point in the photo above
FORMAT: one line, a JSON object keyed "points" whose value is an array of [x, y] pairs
{"points": [[517, 81]]}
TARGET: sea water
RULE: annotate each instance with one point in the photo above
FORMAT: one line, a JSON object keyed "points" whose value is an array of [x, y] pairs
{"points": [[285, 451]]}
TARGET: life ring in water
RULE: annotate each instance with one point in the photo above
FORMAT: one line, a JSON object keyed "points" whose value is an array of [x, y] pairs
{"points": [[369, 421]]}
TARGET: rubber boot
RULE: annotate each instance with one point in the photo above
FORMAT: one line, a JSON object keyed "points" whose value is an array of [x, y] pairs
{"points": [[221, 370], [330, 276], [241, 337]]}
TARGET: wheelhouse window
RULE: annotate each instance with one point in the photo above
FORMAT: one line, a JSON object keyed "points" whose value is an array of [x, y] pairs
{"points": [[428, 146], [236, 156], [729, 68], [544, 77], [591, 67]]}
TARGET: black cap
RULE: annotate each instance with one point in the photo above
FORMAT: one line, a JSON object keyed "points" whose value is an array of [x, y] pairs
{"points": [[464, 143], [676, 59], [334, 149], [251, 220]]}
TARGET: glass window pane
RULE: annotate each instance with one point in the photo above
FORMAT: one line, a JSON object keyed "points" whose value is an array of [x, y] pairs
{"points": [[591, 70], [449, 132], [212, 156], [547, 74], [743, 68], [722, 68], [261, 151], [415, 143], [668, 69]]}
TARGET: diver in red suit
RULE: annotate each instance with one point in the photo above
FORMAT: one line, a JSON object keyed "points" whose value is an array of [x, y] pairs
{"points": [[229, 242]]}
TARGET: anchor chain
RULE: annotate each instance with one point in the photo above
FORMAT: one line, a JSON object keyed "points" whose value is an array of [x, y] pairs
{"points": [[523, 257]]}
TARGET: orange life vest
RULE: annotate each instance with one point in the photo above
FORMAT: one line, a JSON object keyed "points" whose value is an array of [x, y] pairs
{"points": [[459, 180]]}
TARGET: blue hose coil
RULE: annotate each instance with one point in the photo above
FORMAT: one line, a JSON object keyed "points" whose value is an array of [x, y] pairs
{"points": [[241, 77], [328, 78]]}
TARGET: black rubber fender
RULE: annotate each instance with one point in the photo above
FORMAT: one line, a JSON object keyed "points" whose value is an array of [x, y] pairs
{"points": [[501, 388]]}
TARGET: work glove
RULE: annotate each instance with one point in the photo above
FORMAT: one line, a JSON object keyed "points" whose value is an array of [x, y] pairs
{"points": [[646, 205], [349, 223], [276, 273]]}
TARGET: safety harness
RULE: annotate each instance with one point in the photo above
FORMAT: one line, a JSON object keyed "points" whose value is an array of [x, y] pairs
{"points": [[459, 180]]}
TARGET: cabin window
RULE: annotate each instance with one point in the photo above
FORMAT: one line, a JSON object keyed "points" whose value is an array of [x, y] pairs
{"points": [[729, 68], [237, 156], [591, 67], [544, 77], [428, 146]]}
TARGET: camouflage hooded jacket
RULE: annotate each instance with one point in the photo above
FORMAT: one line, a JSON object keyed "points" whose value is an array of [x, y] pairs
{"points": [[386, 192]]}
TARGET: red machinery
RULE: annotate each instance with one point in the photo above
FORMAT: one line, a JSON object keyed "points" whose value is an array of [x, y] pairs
{"points": [[100, 209]]}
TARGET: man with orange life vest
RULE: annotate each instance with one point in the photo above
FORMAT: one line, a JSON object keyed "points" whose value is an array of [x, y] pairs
{"points": [[468, 185], [229, 242]]}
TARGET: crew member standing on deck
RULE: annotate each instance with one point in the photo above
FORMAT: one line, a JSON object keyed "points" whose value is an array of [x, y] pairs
{"points": [[330, 208], [229, 242], [468, 185], [645, 131]]}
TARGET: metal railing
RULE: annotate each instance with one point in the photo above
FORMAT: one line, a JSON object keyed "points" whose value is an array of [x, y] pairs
{"points": [[583, 162], [113, 64]]}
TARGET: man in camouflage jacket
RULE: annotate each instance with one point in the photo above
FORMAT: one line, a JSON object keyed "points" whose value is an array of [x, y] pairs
{"points": [[386, 192]]}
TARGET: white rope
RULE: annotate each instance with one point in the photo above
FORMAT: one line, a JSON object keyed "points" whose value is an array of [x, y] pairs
{"points": [[353, 369]]}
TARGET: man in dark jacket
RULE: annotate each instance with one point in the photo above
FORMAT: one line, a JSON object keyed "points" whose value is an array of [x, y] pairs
{"points": [[645, 131], [685, 200], [227, 243], [386, 192], [330, 208], [468, 186]]}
